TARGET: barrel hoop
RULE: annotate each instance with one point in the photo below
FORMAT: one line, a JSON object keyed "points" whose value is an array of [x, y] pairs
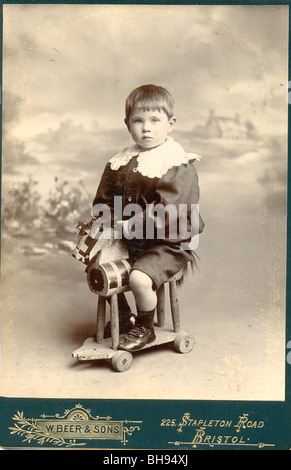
{"points": [[116, 281], [125, 277]]}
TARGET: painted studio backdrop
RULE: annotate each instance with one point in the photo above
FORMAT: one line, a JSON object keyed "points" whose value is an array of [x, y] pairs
{"points": [[67, 70]]}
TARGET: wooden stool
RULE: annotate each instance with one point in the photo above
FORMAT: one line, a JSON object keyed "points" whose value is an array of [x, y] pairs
{"points": [[107, 280]]}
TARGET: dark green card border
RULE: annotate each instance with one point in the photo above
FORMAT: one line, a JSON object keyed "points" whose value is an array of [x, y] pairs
{"points": [[153, 434]]}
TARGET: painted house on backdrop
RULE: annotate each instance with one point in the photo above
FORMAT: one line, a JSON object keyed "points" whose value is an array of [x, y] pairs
{"points": [[225, 128]]}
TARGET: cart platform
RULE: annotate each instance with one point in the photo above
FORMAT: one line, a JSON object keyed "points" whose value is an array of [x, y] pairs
{"points": [[121, 360]]}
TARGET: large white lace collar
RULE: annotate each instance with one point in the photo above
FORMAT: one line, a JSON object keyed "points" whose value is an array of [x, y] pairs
{"points": [[154, 163]]}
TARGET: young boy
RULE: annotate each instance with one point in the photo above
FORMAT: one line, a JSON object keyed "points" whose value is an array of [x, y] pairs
{"points": [[154, 171]]}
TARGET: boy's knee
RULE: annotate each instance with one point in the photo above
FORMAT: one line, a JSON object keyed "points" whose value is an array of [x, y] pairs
{"points": [[139, 281]]}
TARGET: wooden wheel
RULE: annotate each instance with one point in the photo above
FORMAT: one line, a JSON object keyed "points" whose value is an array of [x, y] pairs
{"points": [[121, 361], [184, 343]]}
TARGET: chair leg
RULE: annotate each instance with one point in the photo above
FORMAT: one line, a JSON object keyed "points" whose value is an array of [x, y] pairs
{"points": [[114, 319], [101, 310], [161, 305], [174, 306]]}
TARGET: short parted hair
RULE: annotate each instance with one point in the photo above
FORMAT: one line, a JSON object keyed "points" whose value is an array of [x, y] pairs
{"points": [[148, 97]]}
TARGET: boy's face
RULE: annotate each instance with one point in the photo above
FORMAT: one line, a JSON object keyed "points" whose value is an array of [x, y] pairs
{"points": [[149, 128]]}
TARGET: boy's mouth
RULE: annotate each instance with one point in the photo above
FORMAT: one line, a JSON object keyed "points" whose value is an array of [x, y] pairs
{"points": [[145, 137]]}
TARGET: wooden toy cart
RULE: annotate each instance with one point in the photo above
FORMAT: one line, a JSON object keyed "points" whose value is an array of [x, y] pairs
{"points": [[107, 280]]}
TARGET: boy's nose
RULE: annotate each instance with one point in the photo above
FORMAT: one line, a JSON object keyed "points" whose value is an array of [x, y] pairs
{"points": [[146, 127]]}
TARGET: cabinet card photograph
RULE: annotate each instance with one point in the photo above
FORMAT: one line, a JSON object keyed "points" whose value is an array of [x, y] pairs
{"points": [[144, 202]]}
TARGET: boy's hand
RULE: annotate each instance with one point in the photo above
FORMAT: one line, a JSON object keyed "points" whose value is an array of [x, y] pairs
{"points": [[105, 232]]}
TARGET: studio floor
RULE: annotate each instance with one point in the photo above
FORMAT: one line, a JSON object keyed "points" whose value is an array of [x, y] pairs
{"points": [[49, 311]]}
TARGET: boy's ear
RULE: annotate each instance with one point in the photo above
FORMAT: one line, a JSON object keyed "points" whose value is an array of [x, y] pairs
{"points": [[126, 123], [171, 123]]}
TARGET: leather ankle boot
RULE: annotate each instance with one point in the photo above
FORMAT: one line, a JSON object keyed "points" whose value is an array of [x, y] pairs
{"points": [[142, 333]]}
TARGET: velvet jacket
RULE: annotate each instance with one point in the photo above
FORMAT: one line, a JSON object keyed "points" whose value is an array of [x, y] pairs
{"points": [[164, 175]]}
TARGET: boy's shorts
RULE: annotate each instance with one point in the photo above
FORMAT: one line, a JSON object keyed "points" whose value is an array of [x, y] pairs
{"points": [[159, 261]]}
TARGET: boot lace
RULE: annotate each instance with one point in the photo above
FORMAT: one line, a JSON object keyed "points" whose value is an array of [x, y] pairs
{"points": [[138, 331]]}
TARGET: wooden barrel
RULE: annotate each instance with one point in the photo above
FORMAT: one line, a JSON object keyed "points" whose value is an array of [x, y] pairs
{"points": [[109, 278]]}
